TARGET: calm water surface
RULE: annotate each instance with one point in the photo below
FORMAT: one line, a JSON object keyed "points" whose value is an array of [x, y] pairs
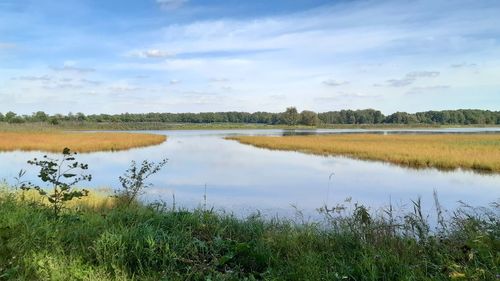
{"points": [[243, 179]]}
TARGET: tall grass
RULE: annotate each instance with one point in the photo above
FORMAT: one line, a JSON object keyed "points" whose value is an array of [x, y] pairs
{"points": [[446, 151], [157, 242], [56, 141]]}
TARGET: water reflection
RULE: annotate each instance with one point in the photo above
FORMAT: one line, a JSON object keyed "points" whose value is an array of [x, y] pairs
{"points": [[242, 178]]}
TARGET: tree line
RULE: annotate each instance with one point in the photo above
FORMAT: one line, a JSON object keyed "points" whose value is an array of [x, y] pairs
{"points": [[291, 116]]}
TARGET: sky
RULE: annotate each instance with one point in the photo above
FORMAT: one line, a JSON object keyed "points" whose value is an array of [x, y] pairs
{"points": [[116, 56]]}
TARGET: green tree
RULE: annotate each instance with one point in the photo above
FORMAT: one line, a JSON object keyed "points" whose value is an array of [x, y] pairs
{"points": [[290, 116], [54, 120], [9, 116], [40, 116], [80, 117], [17, 120], [309, 118]]}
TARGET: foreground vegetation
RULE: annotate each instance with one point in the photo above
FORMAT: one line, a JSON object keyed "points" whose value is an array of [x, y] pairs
{"points": [[55, 141], [100, 238], [479, 152]]}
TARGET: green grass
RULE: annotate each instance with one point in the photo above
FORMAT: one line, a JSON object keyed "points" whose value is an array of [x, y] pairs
{"points": [[132, 126], [155, 242]]}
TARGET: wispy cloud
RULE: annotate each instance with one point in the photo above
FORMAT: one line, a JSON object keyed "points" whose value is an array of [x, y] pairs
{"points": [[123, 88], [410, 78], [91, 82], [422, 74], [463, 65], [34, 78], [218, 79], [72, 68], [399, 82], [334, 83], [171, 4], [151, 53], [433, 89], [346, 96]]}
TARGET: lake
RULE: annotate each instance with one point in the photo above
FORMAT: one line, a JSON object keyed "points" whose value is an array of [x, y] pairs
{"points": [[243, 179]]}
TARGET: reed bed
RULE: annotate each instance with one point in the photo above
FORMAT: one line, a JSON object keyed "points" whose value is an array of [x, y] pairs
{"points": [[480, 152], [80, 142]]}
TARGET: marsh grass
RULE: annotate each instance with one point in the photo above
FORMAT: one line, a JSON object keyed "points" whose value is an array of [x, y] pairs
{"points": [[56, 141], [99, 239], [480, 152]]}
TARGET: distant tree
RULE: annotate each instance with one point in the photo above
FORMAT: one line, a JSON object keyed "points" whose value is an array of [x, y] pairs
{"points": [[401, 118], [54, 120], [80, 117], [40, 116], [309, 118], [290, 116], [9, 116], [17, 120]]}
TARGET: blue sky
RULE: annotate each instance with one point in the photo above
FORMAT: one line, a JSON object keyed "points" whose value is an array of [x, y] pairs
{"points": [[222, 55]]}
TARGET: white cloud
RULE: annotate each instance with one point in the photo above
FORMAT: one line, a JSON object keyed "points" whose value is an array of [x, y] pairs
{"points": [[151, 53]]}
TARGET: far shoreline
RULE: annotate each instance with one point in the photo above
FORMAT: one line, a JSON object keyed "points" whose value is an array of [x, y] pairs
{"points": [[151, 126]]}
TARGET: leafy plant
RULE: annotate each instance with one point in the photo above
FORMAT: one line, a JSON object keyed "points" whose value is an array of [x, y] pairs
{"points": [[134, 179], [62, 174]]}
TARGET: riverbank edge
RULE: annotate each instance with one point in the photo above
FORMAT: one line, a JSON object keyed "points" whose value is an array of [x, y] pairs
{"points": [[150, 126], [157, 241]]}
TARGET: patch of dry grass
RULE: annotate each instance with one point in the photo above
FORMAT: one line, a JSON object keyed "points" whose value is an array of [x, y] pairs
{"points": [[97, 199], [447, 151], [80, 142]]}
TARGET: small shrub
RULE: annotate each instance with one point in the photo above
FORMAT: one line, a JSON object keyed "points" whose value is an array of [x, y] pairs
{"points": [[134, 179], [62, 174]]}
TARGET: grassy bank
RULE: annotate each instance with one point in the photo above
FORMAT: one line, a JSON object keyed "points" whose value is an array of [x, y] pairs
{"points": [[477, 152], [136, 126], [56, 141], [109, 241]]}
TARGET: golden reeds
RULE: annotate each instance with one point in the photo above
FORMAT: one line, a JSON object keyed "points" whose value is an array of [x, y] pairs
{"points": [[79, 142], [98, 198], [447, 151]]}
